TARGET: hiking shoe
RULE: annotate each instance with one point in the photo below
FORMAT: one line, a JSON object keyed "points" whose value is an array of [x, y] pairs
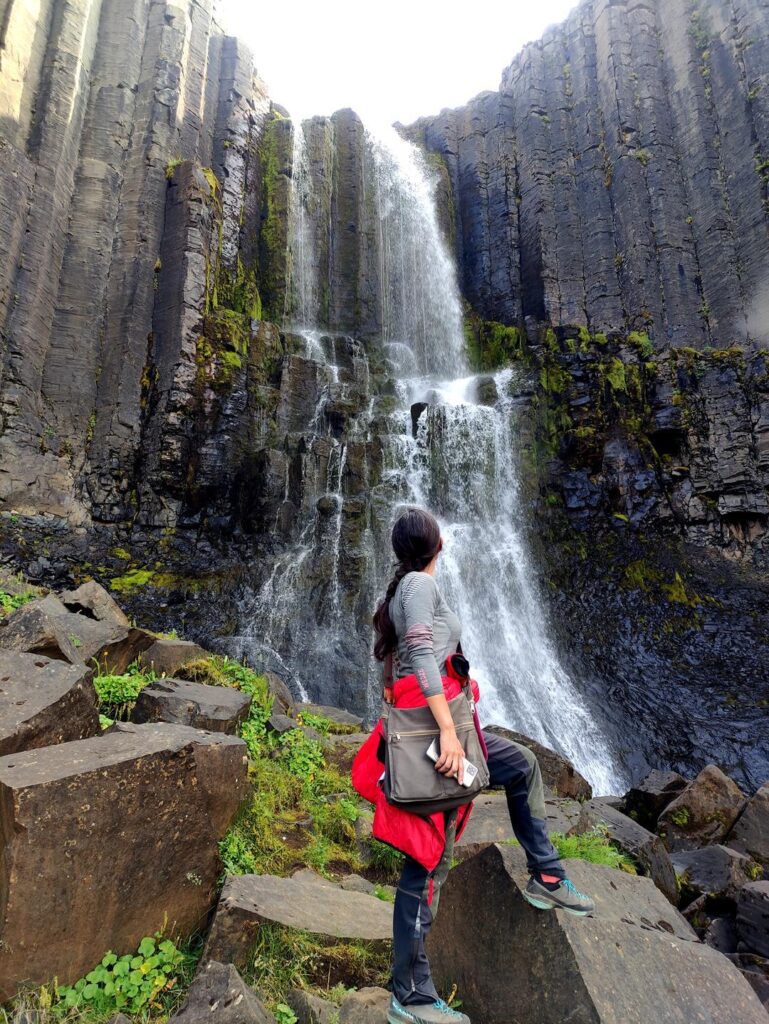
{"points": [[566, 897], [425, 1013]]}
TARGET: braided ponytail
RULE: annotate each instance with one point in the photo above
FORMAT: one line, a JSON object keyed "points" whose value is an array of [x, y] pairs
{"points": [[416, 540]]}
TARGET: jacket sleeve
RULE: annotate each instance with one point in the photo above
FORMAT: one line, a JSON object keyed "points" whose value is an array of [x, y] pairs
{"points": [[420, 599]]}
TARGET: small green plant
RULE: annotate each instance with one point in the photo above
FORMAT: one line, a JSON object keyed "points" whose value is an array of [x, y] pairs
{"points": [[117, 693], [10, 602], [130, 984], [284, 1014]]}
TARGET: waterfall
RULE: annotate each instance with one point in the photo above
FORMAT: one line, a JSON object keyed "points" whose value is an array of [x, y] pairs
{"points": [[447, 442]]}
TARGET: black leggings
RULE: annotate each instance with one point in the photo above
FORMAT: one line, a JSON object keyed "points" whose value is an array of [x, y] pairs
{"points": [[516, 769]]}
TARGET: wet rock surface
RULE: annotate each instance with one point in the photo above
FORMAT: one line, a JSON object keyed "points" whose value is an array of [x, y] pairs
{"points": [[753, 917], [703, 813], [558, 773]]}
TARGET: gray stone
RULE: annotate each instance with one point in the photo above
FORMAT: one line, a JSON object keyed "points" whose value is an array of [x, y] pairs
{"points": [[645, 802], [755, 970], [43, 702], [753, 917], [490, 821], [721, 934], [310, 1009], [715, 870], [703, 813], [356, 883], [217, 708], [283, 698], [633, 961], [643, 846], [145, 804], [168, 657], [558, 773], [298, 902], [750, 833], [91, 599], [281, 723], [352, 723], [366, 1006], [219, 994]]}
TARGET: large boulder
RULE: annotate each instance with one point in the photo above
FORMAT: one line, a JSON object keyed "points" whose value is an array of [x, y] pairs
{"points": [[715, 871], [645, 802], [300, 902], [636, 960], [91, 599], [751, 830], [48, 627], [216, 708], [753, 917], [43, 702], [109, 839], [558, 773], [755, 970], [168, 657], [366, 1006], [643, 846], [703, 813], [283, 699], [218, 994]]}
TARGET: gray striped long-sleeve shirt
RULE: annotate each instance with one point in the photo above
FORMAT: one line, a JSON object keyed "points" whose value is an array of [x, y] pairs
{"points": [[427, 630]]}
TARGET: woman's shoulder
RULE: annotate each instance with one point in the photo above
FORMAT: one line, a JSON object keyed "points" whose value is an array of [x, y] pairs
{"points": [[418, 584]]}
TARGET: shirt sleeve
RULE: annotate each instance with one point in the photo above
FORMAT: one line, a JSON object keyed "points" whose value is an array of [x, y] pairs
{"points": [[420, 599]]}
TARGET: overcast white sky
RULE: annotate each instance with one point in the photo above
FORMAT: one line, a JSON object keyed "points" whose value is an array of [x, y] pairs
{"points": [[395, 60]]}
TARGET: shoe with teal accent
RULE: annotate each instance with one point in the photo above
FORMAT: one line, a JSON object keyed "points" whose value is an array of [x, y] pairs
{"points": [[566, 896], [438, 1012]]}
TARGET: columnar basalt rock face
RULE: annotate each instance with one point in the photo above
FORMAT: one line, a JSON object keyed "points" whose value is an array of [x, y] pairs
{"points": [[617, 179]]}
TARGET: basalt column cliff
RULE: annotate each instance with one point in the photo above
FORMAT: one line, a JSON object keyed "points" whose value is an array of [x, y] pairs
{"points": [[166, 429]]}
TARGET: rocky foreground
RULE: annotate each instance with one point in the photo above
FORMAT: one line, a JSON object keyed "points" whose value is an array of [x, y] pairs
{"points": [[112, 831]]}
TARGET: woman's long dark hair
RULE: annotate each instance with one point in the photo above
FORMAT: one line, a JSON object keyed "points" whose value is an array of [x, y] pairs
{"points": [[416, 540]]}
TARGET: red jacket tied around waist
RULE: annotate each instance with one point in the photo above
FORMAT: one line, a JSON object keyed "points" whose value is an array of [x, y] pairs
{"points": [[421, 838]]}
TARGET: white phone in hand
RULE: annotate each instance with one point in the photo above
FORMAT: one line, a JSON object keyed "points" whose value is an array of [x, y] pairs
{"points": [[469, 769]]}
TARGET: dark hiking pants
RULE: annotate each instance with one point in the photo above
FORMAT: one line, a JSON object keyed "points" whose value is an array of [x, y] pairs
{"points": [[515, 769]]}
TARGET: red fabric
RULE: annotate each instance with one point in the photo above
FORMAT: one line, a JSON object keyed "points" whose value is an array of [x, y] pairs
{"points": [[422, 838]]}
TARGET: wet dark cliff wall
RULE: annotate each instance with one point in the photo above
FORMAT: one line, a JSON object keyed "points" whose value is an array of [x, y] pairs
{"points": [[618, 179]]}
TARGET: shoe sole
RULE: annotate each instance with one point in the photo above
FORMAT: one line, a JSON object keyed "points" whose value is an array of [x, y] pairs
{"points": [[541, 905]]}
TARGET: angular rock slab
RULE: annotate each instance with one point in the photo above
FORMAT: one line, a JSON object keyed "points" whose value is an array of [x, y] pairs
{"points": [[168, 657], [751, 830], [91, 599], [218, 994], [107, 840], [644, 846], [48, 627], [247, 901], [753, 917], [44, 702], [635, 961], [558, 773], [310, 1009], [703, 813], [645, 802], [181, 702], [336, 715], [715, 870]]}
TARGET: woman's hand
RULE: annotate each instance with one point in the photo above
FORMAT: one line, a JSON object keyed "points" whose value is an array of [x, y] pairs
{"points": [[451, 760]]}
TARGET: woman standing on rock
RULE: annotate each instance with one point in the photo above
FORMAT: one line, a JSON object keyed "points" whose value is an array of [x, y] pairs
{"points": [[416, 627]]}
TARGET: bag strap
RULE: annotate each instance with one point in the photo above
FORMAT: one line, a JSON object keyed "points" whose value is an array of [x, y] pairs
{"points": [[387, 692]]}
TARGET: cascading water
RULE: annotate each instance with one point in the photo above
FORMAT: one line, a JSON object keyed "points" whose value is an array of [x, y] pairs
{"points": [[439, 447]]}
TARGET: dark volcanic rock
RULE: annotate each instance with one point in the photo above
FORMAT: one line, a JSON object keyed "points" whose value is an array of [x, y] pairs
{"points": [[168, 657], [716, 871], [645, 802], [145, 803], [216, 708], [219, 994], [43, 702], [310, 1009], [751, 830], [634, 957], [558, 773], [753, 917], [703, 813], [366, 1006]]}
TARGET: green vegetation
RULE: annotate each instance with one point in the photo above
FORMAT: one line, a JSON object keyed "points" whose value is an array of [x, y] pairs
{"points": [[681, 817], [146, 981], [117, 694], [594, 846], [10, 602], [491, 345]]}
